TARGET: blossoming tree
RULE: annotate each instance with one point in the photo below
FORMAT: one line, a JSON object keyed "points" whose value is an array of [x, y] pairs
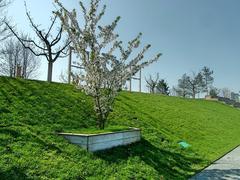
{"points": [[106, 62]]}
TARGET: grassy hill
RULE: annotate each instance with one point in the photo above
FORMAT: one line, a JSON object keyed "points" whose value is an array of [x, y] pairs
{"points": [[31, 112]]}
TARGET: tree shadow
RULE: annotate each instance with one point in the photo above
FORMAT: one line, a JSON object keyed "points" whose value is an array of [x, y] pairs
{"points": [[174, 165], [7, 131], [11, 132], [14, 173], [46, 145]]}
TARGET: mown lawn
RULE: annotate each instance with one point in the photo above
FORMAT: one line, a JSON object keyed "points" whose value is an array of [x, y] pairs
{"points": [[32, 112]]}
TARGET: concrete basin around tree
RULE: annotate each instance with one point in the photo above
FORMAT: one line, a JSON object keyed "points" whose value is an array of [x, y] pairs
{"points": [[102, 141]]}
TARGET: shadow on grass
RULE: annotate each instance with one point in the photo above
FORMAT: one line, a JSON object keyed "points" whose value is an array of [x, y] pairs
{"points": [[8, 132], [31, 137], [46, 144], [169, 164], [14, 173]]}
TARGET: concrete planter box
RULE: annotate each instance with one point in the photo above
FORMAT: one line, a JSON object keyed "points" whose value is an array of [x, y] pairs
{"points": [[102, 141]]}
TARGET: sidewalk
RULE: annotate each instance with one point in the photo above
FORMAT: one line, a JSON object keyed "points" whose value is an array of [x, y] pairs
{"points": [[227, 168]]}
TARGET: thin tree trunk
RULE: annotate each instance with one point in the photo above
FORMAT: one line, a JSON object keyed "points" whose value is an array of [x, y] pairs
{"points": [[24, 67], [101, 120], [206, 84], [194, 95], [50, 69]]}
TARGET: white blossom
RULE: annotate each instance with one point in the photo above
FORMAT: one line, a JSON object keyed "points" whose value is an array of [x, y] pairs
{"points": [[98, 48]]}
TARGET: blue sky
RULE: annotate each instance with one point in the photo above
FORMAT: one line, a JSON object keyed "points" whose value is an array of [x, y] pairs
{"points": [[190, 34]]}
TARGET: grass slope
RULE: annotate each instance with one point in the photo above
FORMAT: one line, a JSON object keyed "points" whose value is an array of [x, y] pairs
{"points": [[31, 112]]}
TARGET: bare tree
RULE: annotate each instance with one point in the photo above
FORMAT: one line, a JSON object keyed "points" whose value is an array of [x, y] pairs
{"points": [[3, 28], [75, 78], [190, 85], [214, 92], [13, 56], [182, 88], [30, 63], [195, 84], [51, 47], [226, 93], [10, 54], [152, 83], [63, 77]]}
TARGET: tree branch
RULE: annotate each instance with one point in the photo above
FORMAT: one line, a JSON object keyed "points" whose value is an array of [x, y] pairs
{"points": [[58, 37], [53, 22], [24, 45], [61, 51]]}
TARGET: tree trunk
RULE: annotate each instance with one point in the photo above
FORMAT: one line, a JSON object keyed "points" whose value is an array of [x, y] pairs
{"points": [[194, 95], [101, 121], [102, 124], [50, 68], [100, 115], [24, 68]]}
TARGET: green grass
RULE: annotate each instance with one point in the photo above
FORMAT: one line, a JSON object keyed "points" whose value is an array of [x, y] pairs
{"points": [[32, 112], [95, 130]]}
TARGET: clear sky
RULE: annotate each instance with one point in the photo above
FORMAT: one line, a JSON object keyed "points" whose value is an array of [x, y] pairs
{"points": [[190, 34]]}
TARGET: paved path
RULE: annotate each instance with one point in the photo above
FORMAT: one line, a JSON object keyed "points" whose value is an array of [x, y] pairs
{"points": [[227, 168]]}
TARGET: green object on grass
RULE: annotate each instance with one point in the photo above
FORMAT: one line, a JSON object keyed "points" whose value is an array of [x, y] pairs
{"points": [[184, 144]]}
